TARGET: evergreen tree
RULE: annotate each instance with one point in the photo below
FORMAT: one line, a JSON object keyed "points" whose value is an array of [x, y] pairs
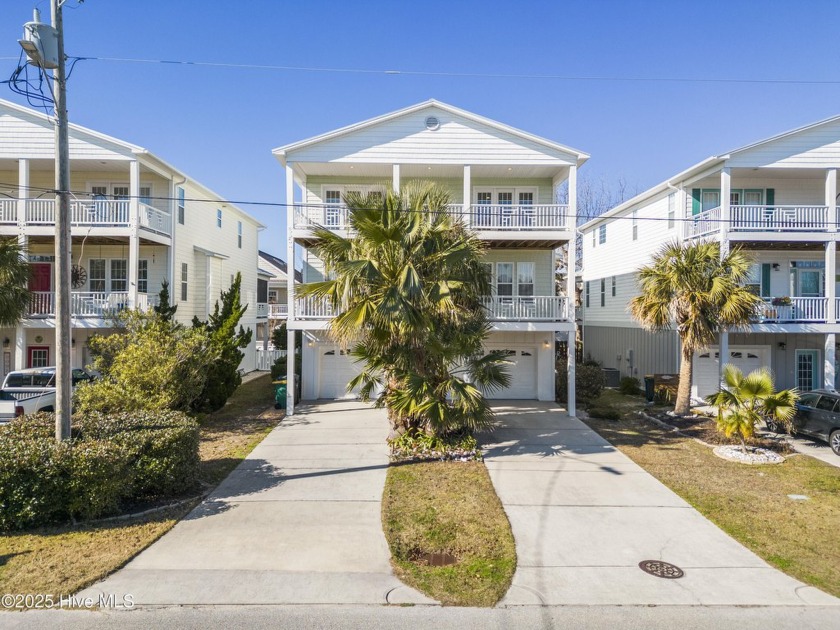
{"points": [[163, 309], [223, 375]]}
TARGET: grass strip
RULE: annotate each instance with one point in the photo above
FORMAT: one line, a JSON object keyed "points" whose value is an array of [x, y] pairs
{"points": [[449, 509]]}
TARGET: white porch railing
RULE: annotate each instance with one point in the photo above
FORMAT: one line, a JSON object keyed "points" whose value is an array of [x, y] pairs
{"points": [[278, 310], [100, 212], [523, 309], [313, 308], [778, 218], [262, 310], [155, 219], [8, 211], [266, 358], [88, 303], [703, 223], [519, 217], [800, 309], [93, 213]]}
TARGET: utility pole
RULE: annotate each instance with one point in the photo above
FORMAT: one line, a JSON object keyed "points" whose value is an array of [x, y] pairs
{"points": [[63, 373]]}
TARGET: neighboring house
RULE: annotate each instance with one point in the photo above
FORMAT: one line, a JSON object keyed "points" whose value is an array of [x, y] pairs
{"points": [[777, 199], [503, 182], [276, 281], [135, 222]]}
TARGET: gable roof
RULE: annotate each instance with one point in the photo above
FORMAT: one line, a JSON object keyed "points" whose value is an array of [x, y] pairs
{"points": [[283, 151], [280, 264]]}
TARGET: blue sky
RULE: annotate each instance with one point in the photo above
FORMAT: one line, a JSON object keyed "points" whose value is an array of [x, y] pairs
{"points": [[220, 124]]}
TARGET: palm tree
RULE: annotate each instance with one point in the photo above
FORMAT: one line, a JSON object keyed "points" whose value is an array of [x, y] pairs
{"points": [[698, 291], [407, 289], [745, 400], [14, 283]]}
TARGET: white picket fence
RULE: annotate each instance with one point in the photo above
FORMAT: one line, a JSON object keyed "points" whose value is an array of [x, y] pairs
{"points": [[266, 358]]}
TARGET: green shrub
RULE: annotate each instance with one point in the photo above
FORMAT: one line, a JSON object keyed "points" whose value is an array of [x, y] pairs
{"points": [[589, 382], [630, 386], [418, 444], [605, 413], [98, 477]]}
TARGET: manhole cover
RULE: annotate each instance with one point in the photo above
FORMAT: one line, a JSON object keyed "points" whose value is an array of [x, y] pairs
{"points": [[438, 559], [661, 569]]}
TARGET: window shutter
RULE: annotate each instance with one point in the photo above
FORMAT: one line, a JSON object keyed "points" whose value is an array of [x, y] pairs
{"points": [[765, 279], [695, 201], [770, 196]]}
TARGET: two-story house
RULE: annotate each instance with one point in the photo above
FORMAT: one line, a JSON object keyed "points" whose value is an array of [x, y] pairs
{"points": [[777, 200], [135, 222], [503, 182]]}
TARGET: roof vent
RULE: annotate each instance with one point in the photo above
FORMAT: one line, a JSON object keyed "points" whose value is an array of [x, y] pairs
{"points": [[432, 123]]}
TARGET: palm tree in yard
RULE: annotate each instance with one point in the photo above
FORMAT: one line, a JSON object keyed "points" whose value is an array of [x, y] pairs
{"points": [[407, 290], [746, 400], [14, 282], [692, 288]]}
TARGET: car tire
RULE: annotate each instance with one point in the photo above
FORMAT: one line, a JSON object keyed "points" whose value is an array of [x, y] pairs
{"points": [[772, 425], [834, 441]]}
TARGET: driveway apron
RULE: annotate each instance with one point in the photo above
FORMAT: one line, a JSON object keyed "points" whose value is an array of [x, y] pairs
{"points": [[298, 522], [584, 516]]}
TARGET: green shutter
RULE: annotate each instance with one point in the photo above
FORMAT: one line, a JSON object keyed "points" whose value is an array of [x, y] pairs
{"points": [[765, 279], [770, 196], [695, 201]]}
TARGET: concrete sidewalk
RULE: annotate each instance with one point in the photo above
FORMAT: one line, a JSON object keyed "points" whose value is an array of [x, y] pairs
{"points": [[298, 522], [584, 516]]}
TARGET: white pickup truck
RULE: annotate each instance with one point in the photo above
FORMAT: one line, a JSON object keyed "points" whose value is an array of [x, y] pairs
{"points": [[33, 390]]}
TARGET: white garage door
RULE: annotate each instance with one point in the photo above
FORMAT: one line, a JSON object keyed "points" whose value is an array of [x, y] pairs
{"points": [[337, 368], [706, 370], [523, 375]]}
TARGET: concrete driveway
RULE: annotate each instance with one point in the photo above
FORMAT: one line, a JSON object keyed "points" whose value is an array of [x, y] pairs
{"points": [[298, 522], [584, 516]]}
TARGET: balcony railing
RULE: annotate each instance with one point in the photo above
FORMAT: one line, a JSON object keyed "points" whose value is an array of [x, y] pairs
{"points": [[278, 310], [480, 217], [114, 213], [800, 309], [87, 303], [313, 308], [791, 218], [526, 309], [262, 310]]}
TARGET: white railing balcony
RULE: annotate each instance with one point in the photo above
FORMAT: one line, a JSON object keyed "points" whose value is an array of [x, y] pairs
{"points": [[778, 219], [519, 217], [800, 309], [262, 310], [146, 302], [276, 311], [550, 308], [82, 303], [155, 219], [115, 213], [703, 223], [8, 211], [311, 307]]}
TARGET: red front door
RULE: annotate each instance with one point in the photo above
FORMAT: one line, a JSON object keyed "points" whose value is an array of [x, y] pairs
{"points": [[41, 275], [38, 356]]}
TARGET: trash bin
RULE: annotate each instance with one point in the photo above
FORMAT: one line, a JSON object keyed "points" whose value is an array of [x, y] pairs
{"points": [[650, 387], [612, 377], [279, 393]]}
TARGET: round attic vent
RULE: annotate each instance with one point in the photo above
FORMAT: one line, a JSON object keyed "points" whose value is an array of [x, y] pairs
{"points": [[432, 123]]}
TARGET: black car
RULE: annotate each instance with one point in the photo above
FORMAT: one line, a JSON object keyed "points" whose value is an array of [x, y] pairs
{"points": [[817, 416]]}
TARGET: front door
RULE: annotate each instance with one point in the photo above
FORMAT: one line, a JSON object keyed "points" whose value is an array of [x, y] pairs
{"points": [[38, 356], [41, 277], [807, 370]]}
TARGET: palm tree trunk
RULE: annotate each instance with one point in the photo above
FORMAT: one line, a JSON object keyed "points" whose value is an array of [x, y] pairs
{"points": [[683, 403]]}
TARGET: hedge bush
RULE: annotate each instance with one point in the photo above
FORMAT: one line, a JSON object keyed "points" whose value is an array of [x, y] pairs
{"points": [[109, 462], [589, 382], [605, 413], [630, 386]]}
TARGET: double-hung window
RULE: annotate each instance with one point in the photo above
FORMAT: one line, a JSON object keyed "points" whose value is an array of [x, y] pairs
{"points": [[603, 291], [218, 217], [143, 276], [182, 205], [239, 234], [504, 279], [613, 286], [602, 234], [587, 294], [96, 275], [119, 275], [525, 279], [185, 276]]}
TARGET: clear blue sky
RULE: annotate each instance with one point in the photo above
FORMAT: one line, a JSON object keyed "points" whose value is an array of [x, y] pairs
{"points": [[219, 125]]}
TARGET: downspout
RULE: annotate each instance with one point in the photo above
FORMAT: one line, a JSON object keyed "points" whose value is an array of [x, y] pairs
{"points": [[174, 217]]}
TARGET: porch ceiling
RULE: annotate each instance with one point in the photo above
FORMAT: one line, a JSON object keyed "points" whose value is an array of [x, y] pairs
{"points": [[417, 171], [779, 246]]}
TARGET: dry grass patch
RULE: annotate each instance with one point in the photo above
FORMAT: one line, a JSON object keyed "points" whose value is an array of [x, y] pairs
{"points": [[448, 508], [61, 561], [750, 503]]}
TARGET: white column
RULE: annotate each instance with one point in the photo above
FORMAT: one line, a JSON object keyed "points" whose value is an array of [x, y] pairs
{"points": [[571, 259], [23, 193], [831, 199], [467, 193], [571, 340], [290, 291], [828, 368], [395, 178], [723, 354], [830, 282], [20, 347], [725, 210], [133, 238]]}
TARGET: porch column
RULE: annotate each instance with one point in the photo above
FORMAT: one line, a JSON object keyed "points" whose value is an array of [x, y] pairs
{"points": [[20, 347], [23, 193], [571, 340], [395, 178], [830, 282], [290, 291], [571, 258], [467, 214], [725, 210], [828, 368], [831, 199], [723, 354], [133, 226]]}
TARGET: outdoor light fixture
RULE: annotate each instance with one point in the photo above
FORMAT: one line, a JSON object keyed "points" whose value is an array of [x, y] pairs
{"points": [[775, 266], [782, 345]]}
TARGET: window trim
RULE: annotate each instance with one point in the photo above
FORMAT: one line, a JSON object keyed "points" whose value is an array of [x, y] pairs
{"points": [[180, 194], [143, 278], [239, 234], [603, 292], [219, 218], [185, 278], [613, 286], [602, 234]]}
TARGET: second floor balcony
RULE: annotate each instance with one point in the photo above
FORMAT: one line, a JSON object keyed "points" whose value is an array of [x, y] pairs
{"points": [[92, 304], [278, 311], [89, 213], [767, 220]]}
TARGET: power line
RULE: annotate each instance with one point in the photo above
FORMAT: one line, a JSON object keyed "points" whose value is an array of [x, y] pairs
{"points": [[461, 75]]}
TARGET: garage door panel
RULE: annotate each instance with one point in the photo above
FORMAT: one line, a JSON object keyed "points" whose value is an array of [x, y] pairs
{"points": [[707, 370], [523, 375], [337, 369]]}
